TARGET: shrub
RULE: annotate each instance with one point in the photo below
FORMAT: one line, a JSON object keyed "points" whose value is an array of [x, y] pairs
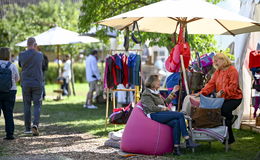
{"points": [[52, 73]]}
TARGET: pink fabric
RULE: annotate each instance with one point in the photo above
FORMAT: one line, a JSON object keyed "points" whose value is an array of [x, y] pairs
{"points": [[145, 136], [195, 102]]}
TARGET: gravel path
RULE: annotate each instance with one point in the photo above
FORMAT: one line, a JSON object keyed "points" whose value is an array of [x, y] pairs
{"points": [[62, 145]]}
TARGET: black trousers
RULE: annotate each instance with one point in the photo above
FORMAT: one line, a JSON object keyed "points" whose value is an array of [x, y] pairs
{"points": [[228, 106], [7, 101]]}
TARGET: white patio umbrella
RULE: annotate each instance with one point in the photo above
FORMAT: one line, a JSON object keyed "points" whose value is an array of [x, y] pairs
{"points": [[199, 17], [59, 36]]}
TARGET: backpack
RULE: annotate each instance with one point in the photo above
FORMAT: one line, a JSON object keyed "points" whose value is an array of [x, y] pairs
{"points": [[5, 78], [121, 115], [172, 63]]}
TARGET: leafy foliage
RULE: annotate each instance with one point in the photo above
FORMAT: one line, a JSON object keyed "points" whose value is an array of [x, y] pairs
{"points": [[94, 11], [19, 23]]}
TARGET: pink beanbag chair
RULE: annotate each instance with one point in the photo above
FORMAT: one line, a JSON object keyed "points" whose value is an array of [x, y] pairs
{"points": [[145, 136]]}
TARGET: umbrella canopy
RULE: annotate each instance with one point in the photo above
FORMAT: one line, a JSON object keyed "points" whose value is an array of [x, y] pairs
{"points": [[58, 36], [199, 17]]}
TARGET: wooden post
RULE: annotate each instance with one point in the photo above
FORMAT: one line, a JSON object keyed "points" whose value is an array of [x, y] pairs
{"points": [[184, 75], [107, 106]]}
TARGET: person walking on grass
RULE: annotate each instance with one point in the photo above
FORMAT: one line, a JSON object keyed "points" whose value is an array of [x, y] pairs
{"points": [[92, 76], [8, 77], [31, 62]]}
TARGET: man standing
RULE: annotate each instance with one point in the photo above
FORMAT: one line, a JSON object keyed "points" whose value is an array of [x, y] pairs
{"points": [[31, 81], [66, 74], [92, 76]]}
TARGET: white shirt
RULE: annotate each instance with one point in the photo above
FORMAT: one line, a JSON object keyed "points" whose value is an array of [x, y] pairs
{"points": [[67, 70], [92, 69], [15, 73]]}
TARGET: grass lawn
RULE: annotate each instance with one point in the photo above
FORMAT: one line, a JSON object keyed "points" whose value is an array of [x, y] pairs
{"points": [[69, 114]]}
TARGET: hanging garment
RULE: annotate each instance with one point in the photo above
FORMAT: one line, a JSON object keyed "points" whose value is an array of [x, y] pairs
{"points": [[111, 72], [136, 71], [172, 64], [118, 68], [125, 68], [131, 61], [254, 59]]}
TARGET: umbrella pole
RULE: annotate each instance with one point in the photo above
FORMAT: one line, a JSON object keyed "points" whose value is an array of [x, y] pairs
{"points": [[183, 25], [58, 57]]}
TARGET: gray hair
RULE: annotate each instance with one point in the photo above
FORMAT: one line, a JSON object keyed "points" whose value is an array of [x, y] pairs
{"points": [[31, 41], [149, 82]]}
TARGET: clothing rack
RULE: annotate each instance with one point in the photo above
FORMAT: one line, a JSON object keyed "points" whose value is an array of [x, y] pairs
{"points": [[112, 91]]}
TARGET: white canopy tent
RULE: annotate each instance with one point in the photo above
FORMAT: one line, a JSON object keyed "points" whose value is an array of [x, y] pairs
{"points": [[245, 43]]}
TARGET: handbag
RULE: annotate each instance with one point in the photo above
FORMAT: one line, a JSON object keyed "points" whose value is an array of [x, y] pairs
{"points": [[121, 115], [195, 80], [208, 102], [206, 118], [137, 41]]}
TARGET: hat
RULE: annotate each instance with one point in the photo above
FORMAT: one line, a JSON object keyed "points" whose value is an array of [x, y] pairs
{"points": [[31, 41]]}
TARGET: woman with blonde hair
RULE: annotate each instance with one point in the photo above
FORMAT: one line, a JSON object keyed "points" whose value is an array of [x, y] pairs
{"points": [[225, 82]]}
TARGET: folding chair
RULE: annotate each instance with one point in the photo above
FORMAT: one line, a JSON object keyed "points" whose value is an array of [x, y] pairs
{"points": [[219, 133]]}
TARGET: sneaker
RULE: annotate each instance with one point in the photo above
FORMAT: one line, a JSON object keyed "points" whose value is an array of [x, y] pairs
{"points": [[27, 132], [176, 151], [92, 107], [234, 119], [35, 130]]}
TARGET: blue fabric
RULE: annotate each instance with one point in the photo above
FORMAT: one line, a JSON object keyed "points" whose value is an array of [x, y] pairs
{"points": [[210, 103], [172, 81], [173, 119]]}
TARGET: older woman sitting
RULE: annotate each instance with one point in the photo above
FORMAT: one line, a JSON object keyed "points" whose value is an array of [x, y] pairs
{"points": [[155, 108]]}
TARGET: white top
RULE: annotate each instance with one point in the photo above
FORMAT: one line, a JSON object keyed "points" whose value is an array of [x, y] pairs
{"points": [[15, 73], [92, 70], [67, 70]]}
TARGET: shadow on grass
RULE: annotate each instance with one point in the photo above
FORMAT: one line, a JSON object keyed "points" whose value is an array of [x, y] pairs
{"points": [[68, 118]]}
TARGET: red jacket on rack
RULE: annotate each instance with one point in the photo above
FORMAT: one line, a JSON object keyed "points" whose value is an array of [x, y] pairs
{"points": [[254, 59]]}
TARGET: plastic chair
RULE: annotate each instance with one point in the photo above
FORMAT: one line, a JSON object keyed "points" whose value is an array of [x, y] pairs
{"points": [[219, 133], [145, 136]]}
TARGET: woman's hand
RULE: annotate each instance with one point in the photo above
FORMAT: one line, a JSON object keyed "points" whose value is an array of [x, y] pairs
{"points": [[219, 94], [196, 94], [176, 88], [166, 109]]}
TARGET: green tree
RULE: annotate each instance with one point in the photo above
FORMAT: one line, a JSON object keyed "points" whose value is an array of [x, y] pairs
{"points": [[94, 11], [19, 23]]}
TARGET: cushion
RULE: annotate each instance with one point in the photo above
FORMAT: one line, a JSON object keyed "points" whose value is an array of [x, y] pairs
{"points": [[194, 102], [210, 103], [205, 117], [145, 136]]}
